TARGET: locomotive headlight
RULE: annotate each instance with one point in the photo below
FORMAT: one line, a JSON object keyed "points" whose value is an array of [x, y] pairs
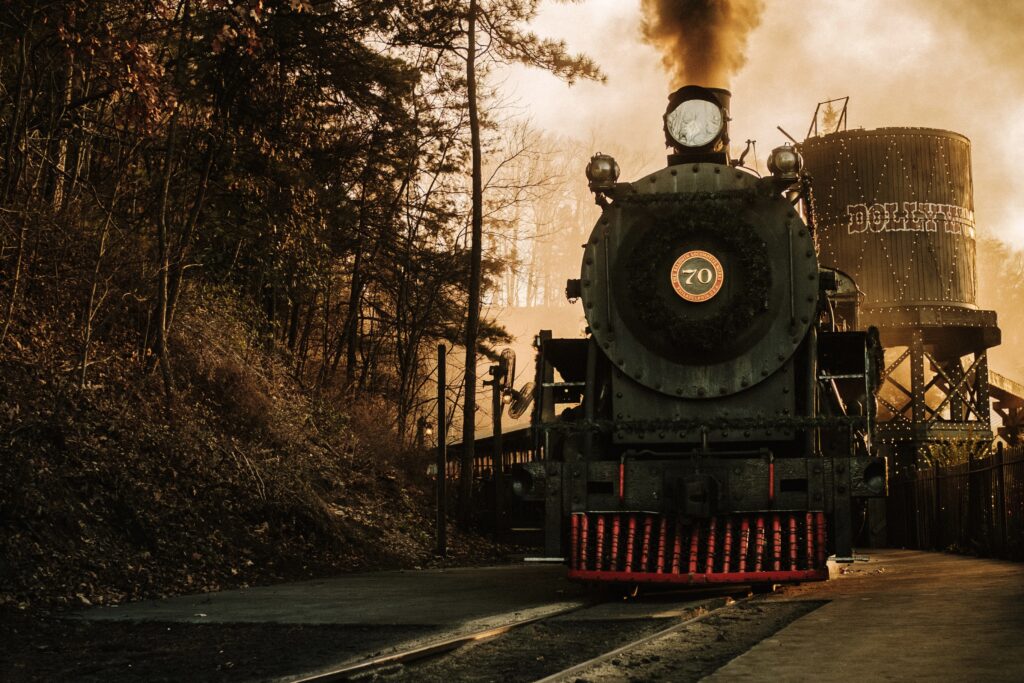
{"points": [[694, 123], [602, 172], [785, 162]]}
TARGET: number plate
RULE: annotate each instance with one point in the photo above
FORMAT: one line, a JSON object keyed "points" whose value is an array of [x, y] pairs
{"points": [[697, 276]]}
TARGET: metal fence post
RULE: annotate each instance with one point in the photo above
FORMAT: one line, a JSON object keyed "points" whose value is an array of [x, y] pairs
{"points": [[497, 454], [442, 454], [1000, 511], [969, 529], [938, 542]]}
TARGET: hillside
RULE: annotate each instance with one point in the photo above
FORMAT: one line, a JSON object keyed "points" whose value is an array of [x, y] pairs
{"points": [[254, 480]]}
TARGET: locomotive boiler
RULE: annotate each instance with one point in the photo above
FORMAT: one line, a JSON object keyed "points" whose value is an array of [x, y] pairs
{"points": [[716, 423]]}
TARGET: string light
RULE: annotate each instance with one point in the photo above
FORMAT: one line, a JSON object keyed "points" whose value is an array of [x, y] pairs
{"points": [[899, 270]]}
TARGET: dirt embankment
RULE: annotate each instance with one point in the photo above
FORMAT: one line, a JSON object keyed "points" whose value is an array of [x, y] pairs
{"points": [[250, 479]]}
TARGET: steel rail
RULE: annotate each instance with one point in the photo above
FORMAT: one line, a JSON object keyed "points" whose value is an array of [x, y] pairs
{"points": [[577, 669], [350, 671]]}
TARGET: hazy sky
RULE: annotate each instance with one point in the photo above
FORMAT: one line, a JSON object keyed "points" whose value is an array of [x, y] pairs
{"points": [[935, 63], [951, 64]]}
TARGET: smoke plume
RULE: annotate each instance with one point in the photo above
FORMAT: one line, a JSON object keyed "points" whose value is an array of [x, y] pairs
{"points": [[702, 42]]}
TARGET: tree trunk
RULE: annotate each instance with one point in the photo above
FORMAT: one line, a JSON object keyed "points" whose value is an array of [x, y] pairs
{"points": [[179, 266], [475, 254], [163, 274], [60, 172], [92, 307], [350, 332]]}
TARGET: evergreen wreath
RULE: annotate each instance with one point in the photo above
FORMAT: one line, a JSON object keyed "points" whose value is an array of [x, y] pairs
{"points": [[707, 219]]}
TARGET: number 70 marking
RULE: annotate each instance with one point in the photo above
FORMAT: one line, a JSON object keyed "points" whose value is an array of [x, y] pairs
{"points": [[703, 275]]}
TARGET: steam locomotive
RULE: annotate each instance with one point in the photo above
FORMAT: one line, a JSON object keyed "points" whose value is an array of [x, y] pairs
{"points": [[716, 423]]}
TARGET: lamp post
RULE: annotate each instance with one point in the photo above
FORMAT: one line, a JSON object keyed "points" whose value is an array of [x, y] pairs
{"points": [[498, 373], [442, 454]]}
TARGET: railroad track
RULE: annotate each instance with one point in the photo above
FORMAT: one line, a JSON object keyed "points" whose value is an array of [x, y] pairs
{"points": [[578, 669], [393, 664], [352, 671]]}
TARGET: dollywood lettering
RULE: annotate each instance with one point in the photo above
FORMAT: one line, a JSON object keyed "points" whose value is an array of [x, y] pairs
{"points": [[909, 217]]}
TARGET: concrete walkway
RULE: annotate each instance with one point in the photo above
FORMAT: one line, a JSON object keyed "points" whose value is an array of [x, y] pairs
{"points": [[904, 615], [429, 597]]}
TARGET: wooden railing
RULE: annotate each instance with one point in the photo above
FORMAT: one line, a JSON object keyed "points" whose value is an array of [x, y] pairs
{"points": [[517, 446]]}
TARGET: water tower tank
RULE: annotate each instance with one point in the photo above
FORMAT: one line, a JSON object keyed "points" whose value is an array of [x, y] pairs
{"points": [[895, 209]]}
